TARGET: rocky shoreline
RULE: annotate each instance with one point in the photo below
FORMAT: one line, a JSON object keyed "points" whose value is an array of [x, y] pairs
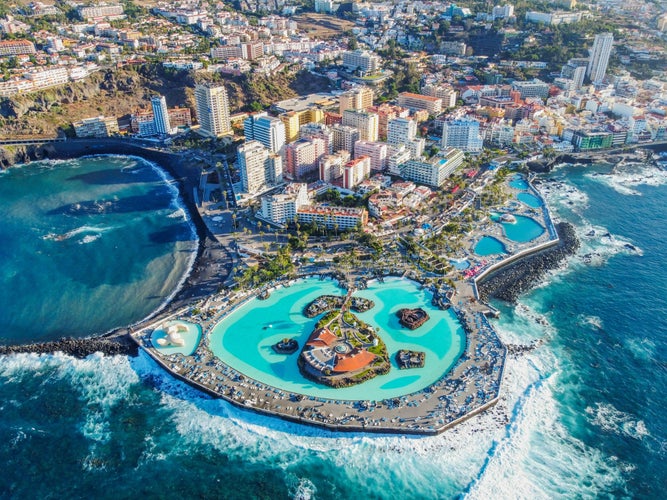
{"points": [[79, 348], [514, 279]]}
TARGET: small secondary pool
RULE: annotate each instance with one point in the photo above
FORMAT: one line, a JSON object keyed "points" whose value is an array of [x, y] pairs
{"points": [[184, 339], [489, 245], [243, 339], [523, 230], [518, 182], [529, 199], [460, 264]]}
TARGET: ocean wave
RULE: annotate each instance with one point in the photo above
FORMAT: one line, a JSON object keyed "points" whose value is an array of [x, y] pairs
{"points": [[598, 244], [300, 488], [610, 419], [539, 458], [178, 214], [91, 233], [644, 349], [562, 194], [590, 321], [624, 179]]}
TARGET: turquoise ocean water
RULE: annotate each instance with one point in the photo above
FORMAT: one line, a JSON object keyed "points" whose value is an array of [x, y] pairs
{"points": [[581, 416], [87, 245]]}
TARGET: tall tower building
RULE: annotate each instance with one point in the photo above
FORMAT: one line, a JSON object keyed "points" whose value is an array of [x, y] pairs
{"points": [[212, 110], [259, 167], [266, 129], [599, 57], [160, 115]]}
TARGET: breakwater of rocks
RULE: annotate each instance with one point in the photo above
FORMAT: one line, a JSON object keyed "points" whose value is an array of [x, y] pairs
{"points": [[507, 283], [80, 348]]}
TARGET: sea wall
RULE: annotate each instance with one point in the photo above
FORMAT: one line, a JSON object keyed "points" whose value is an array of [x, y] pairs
{"points": [[79, 348], [510, 281]]}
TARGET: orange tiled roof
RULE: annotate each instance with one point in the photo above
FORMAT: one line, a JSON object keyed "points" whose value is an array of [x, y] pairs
{"points": [[321, 337], [353, 362]]}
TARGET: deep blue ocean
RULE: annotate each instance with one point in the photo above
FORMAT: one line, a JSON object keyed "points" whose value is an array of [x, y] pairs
{"points": [[581, 416]]}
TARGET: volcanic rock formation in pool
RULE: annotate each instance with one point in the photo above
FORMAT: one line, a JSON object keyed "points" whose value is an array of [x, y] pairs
{"points": [[412, 318], [342, 350]]}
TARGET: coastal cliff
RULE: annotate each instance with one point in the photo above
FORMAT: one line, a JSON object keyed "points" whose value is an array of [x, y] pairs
{"points": [[511, 281]]}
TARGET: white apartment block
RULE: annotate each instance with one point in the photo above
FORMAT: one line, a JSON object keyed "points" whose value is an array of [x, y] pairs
{"points": [[433, 173], [366, 123], [48, 77], [259, 167], [331, 166], [362, 61], [281, 208], [599, 57], [344, 138], [462, 134], [401, 131], [102, 10], [268, 130], [333, 217], [99, 126], [318, 131], [160, 115], [398, 157]]}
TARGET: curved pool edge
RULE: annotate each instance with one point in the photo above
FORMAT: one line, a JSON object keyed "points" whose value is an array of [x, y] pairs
{"points": [[470, 386]]}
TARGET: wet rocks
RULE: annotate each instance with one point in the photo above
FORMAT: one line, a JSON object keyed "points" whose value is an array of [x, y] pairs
{"points": [[79, 348], [511, 281]]}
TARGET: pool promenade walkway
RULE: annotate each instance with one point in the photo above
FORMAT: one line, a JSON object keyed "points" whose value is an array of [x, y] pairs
{"points": [[471, 386]]}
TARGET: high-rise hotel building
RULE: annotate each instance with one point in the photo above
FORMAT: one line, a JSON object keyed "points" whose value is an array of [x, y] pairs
{"points": [[212, 110], [599, 57]]}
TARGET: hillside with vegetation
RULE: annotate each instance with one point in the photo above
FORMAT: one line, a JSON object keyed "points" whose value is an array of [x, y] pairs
{"points": [[120, 92]]}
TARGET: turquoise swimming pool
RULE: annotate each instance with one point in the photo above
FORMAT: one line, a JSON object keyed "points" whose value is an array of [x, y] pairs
{"points": [[518, 182], [188, 333], [523, 230], [243, 339], [460, 264], [489, 245], [529, 199]]}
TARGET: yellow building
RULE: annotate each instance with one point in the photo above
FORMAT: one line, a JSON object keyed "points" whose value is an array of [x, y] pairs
{"points": [[293, 121]]}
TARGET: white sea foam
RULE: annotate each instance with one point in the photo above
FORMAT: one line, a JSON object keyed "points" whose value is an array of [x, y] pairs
{"points": [[598, 244], [301, 488], [625, 178], [561, 194], [95, 231], [590, 321], [610, 419], [644, 349], [89, 238], [539, 458], [178, 214]]}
